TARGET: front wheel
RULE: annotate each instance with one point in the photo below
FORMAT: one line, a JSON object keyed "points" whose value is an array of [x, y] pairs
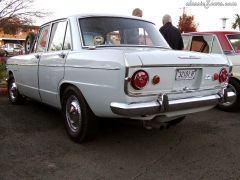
{"points": [[79, 120], [13, 94], [233, 105]]}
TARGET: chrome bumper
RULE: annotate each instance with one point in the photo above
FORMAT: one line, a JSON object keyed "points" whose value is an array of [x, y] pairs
{"points": [[162, 104]]}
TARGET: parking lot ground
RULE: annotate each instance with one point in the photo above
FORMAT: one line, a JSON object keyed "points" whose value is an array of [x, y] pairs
{"points": [[34, 145]]}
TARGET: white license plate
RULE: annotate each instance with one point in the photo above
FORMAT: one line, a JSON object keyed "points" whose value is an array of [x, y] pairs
{"points": [[185, 74]]}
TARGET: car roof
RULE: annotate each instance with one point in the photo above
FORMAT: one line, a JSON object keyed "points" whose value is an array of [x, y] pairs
{"points": [[212, 32], [221, 35], [98, 15]]}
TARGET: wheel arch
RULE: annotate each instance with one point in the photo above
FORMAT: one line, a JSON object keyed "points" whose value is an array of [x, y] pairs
{"points": [[235, 78], [64, 86]]}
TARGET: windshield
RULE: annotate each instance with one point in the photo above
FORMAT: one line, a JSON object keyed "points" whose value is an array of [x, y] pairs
{"points": [[234, 39], [113, 31]]}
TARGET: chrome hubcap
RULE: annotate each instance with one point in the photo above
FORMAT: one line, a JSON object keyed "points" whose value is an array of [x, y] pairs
{"points": [[73, 114], [13, 91]]}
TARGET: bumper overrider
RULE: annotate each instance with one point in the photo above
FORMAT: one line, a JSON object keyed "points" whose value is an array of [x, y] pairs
{"points": [[163, 104]]}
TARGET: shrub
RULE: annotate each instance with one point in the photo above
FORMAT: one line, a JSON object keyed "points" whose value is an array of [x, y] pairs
{"points": [[2, 70]]}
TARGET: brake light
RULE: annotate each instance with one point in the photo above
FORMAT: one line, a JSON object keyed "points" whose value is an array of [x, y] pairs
{"points": [[223, 75], [139, 79]]}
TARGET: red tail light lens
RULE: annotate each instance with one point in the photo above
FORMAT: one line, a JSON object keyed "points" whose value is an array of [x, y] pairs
{"points": [[223, 75], [215, 76], [139, 79], [156, 80]]}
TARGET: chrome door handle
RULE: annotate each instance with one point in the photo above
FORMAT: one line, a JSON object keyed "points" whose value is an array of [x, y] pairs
{"points": [[37, 56], [62, 55]]}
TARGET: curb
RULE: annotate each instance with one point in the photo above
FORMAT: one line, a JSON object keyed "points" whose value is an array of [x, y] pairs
{"points": [[3, 91]]}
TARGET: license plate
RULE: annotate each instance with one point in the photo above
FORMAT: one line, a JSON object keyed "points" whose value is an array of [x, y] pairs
{"points": [[185, 74]]}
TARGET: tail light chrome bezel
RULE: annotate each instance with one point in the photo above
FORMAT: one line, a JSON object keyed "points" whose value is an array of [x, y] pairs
{"points": [[139, 79]]}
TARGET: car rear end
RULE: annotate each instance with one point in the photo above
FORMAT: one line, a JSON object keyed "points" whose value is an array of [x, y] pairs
{"points": [[173, 83]]}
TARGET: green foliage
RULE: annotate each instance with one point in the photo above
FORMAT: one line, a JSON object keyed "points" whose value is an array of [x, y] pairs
{"points": [[236, 23], [2, 70]]}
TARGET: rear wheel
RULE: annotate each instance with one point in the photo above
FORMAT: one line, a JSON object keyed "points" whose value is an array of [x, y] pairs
{"points": [[233, 105], [79, 120]]}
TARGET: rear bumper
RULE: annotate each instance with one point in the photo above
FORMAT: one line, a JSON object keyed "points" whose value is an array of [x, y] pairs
{"points": [[162, 104]]}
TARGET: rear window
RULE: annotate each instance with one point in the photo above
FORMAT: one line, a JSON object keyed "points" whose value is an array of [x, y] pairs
{"points": [[113, 31], [234, 39]]}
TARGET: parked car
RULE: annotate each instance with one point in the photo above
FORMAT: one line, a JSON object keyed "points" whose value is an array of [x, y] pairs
{"points": [[12, 49], [2, 52], [226, 43], [116, 67]]}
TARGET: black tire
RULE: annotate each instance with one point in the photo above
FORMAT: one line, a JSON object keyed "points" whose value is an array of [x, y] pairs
{"points": [[235, 104], [13, 94], [29, 42], [80, 122]]}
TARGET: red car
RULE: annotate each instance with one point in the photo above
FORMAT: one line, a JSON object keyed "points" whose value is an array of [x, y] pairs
{"points": [[226, 43]]}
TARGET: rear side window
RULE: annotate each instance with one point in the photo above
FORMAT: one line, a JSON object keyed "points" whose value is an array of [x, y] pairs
{"points": [[57, 36], [68, 41], [201, 43], [186, 42], [216, 48]]}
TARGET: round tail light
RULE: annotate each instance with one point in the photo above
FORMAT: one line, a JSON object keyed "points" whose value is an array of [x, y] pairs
{"points": [[216, 76], [223, 75], [139, 79], [156, 80]]}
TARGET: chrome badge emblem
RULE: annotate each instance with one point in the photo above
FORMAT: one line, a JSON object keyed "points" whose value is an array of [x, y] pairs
{"points": [[208, 77]]}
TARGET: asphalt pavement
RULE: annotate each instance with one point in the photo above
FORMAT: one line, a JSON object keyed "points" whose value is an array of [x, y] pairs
{"points": [[34, 145]]}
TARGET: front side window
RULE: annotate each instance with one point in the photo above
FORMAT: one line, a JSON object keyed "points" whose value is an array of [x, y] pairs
{"points": [[201, 43], [43, 38], [234, 39], [57, 36], [113, 31]]}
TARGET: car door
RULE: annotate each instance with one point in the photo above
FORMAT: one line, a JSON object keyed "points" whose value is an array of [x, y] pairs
{"points": [[51, 65], [27, 77]]}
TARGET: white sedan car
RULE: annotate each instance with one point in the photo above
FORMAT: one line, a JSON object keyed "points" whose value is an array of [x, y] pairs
{"points": [[114, 66]]}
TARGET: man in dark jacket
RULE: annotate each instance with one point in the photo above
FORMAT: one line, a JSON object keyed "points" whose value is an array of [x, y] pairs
{"points": [[171, 34]]}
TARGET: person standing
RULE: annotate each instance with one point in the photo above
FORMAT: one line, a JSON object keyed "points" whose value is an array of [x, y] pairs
{"points": [[171, 34], [137, 12], [131, 35]]}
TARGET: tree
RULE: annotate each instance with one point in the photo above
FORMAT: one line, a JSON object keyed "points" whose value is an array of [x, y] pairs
{"points": [[186, 24], [16, 13], [237, 22]]}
